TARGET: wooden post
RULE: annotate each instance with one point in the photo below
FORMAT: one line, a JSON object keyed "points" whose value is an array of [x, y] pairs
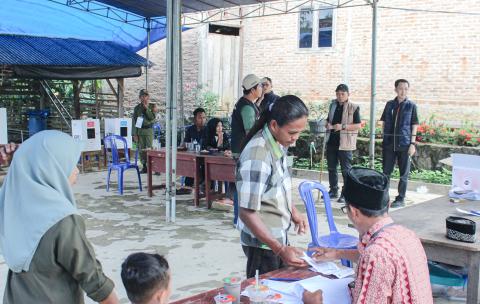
{"points": [[76, 98], [120, 95], [97, 102], [42, 97]]}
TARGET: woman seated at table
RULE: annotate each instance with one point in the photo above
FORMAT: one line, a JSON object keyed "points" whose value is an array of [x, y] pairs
{"points": [[42, 235], [215, 138]]}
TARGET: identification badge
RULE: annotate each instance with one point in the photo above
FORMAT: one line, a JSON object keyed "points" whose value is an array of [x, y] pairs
{"points": [[139, 122]]}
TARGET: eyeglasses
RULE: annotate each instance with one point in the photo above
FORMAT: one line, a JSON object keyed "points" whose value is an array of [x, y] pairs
{"points": [[344, 209]]}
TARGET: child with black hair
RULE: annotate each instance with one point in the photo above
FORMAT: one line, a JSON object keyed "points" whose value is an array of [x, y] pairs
{"points": [[146, 278]]}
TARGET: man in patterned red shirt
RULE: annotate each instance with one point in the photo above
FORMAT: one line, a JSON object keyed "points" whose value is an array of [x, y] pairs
{"points": [[391, 263]]}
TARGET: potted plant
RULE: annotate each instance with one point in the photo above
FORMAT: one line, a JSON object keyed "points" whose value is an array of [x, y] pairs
{"points": [[318, 112]]}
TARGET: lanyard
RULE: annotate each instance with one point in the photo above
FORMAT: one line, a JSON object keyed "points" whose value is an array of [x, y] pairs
{"points": [[374, 235]]}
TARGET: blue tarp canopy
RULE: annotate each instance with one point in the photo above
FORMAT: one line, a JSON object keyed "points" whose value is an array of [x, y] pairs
{"points": [[52, 19], [121, 21]]}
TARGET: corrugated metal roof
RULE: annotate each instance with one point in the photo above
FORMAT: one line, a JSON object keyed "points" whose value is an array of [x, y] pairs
{"points": [[29, 50]]}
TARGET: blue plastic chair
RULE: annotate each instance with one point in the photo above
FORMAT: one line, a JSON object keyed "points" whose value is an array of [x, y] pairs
{"points": [[335, 239], [114, 162]]}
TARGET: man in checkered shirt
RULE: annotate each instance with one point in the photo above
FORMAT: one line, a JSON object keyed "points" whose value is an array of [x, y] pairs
{"points": [[264, 188]]}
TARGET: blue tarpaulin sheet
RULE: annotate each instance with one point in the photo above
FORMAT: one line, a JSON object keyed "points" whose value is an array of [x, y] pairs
{"points": [[51, 19]]}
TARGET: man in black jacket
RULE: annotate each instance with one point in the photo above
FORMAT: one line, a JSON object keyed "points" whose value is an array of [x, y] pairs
{"points": [[400, 122], [269, 96]]}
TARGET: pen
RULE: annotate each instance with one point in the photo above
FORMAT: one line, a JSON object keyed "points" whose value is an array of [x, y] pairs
{"points": [[284, 279]]}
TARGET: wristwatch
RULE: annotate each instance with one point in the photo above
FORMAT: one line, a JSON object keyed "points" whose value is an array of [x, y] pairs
{"points": [[344, 126], [413, 143]]}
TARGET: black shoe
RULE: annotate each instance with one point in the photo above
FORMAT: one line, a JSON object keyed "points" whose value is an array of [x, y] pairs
{"points": [[144, 170], [397, 203], [333, 194], [341, 200]]}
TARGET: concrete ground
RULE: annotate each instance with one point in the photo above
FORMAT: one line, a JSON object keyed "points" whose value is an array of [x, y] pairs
{"points": [[202, 246]]}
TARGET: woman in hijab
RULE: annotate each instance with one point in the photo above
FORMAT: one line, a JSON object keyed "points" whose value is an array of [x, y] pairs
{"points": [[215, 138], [42, 236]]}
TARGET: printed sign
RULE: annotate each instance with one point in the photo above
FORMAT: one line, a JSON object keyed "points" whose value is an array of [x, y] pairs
{"points": [[119, 126], [87, 132]]}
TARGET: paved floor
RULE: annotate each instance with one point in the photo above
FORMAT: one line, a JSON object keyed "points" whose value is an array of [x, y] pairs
{"points": [[202, 246]]}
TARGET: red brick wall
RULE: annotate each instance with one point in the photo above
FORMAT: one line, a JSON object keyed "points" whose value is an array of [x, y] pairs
{"points": [[438, 53]]}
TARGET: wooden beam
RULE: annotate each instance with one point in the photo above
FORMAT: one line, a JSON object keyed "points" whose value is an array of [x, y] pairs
{"points": [[121, 95], [112, 88], [80, 88], [97, 102], [76, 97]]}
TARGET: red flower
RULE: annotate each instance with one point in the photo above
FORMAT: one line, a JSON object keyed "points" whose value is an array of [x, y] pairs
{"points": [[462, 132]]}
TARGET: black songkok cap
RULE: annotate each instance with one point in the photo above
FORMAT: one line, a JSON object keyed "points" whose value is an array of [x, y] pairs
{"points": [[366, 188]]}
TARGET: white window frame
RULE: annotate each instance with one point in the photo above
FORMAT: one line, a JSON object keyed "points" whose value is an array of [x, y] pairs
{"points": [[315, 29]]}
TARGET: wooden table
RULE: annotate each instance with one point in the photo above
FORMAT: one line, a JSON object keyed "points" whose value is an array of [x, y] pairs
{"points": [[428, 221], [91, 154], [188, 164], [217, 168], [207, 297]]}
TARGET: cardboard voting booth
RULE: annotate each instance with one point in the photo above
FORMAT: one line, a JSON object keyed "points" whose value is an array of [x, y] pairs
{"points": [[119, 126], [3, 126], [465, 176], [87, 131]]}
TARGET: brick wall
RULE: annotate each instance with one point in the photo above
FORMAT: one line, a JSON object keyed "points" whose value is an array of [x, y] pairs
{"points": [[157, 74], [438, 53]]}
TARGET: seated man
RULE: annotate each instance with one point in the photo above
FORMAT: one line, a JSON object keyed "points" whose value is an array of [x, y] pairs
{"points": [[196, 133], [392, 266], [146, 278]]}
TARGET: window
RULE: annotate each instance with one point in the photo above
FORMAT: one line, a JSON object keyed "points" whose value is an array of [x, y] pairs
{"points": [[325, 25], [306, 28], [315, 28]]}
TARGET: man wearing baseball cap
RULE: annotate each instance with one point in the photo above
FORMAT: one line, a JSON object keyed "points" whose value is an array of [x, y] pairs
{"points": [[244, 115], [245, 112], [143, 120]]}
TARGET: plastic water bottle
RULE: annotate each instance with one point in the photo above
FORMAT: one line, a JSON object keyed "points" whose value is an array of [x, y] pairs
{"points": [[196, 146]]}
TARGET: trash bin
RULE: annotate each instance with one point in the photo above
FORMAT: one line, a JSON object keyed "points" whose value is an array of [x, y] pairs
{"points": [[37, 121]]}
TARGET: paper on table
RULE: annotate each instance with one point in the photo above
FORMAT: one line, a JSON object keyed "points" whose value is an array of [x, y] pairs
{"points": [[323, 267], [291, 292], [329, 268], [334, 291]]}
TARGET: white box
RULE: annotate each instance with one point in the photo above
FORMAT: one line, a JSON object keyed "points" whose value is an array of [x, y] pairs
{"points": [[121, 127], [3, 127], [87, 131], [466, 175]]}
